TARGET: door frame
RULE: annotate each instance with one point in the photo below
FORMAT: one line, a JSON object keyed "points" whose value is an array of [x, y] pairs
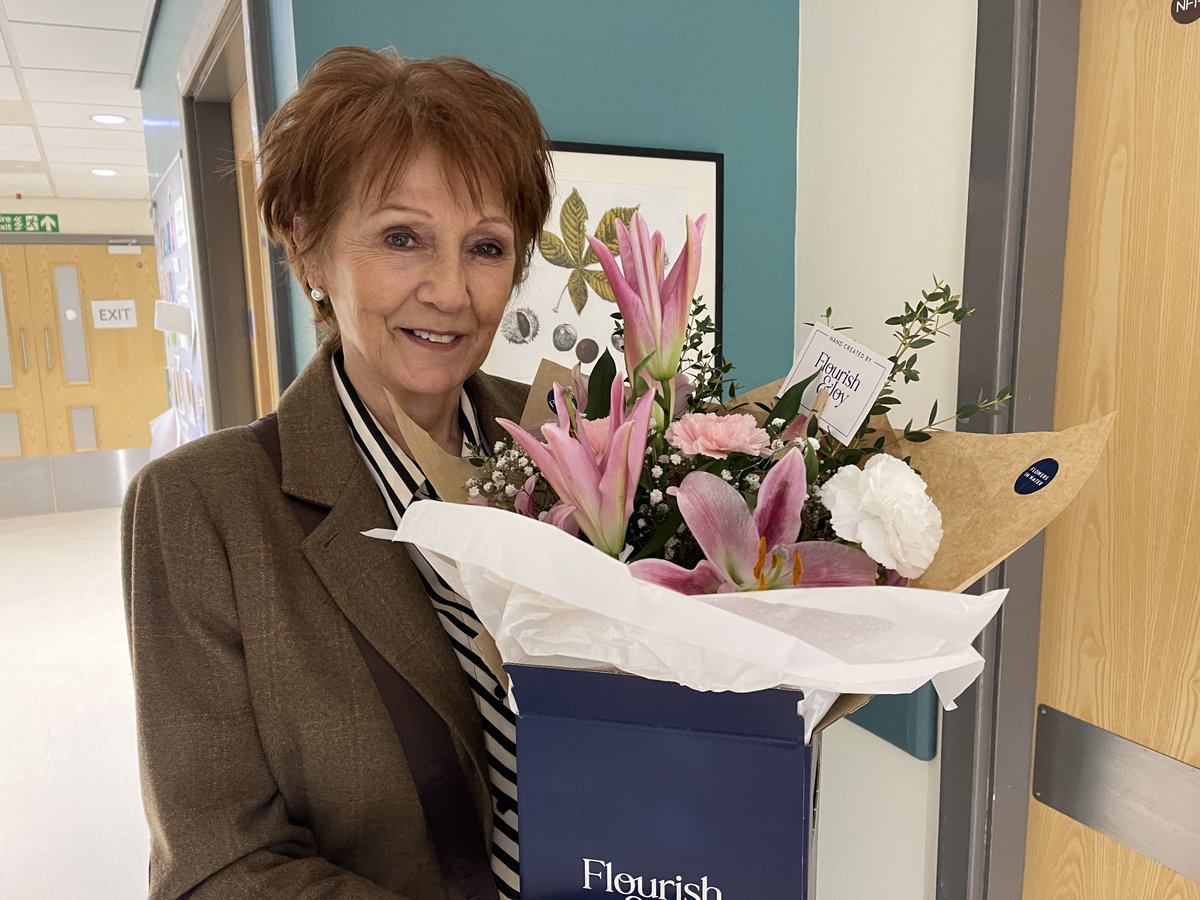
{"points": [[1019, 189], [227, 46]]}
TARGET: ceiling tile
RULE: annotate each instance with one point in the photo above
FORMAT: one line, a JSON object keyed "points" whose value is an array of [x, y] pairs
{"points": [[78, 115], [80, 49], [29, 185], [16, 136], [91, 137], [129, 15], [70, 87], [96, 156], [19, 167], [23, 154], [8, 85], [116, 188], [84, 170], [16, 112]]}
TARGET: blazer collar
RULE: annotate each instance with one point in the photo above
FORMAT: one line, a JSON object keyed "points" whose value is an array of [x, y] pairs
{"points": [[319, 454], [372, 581]]}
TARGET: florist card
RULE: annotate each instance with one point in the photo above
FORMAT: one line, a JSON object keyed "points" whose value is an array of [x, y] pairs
{"points": [[851, 374]]}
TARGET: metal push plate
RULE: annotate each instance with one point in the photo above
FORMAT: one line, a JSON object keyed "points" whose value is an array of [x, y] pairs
{"points": [[1139, 797]]}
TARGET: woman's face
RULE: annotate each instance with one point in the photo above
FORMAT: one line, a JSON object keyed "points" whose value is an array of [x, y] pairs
{"points": [[419, 279]]}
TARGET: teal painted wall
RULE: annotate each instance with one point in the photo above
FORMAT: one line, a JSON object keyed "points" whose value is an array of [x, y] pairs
{"points": [[160, 94], [685, 74]]}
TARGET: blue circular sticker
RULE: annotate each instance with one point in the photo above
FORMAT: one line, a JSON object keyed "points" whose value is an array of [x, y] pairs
{"points": [[1037, 476], [550, 401]]}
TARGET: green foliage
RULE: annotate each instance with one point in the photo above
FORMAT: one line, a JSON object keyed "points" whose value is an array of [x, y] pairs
{"points": [[788, 405], [704, 365], [918, 327], [600, 386], [571, 250]]}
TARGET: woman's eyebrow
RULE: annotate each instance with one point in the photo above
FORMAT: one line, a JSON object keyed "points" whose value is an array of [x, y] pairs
{"points": [[417, 211], [394, 207], [495, 220]]}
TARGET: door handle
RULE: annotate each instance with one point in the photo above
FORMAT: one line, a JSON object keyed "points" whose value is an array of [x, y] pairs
{"points": [[46, 340], [24, 354]]}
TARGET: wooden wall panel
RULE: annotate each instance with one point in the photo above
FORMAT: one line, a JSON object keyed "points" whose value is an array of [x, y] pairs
{"points": [[1120, 634], [1068, 861], [1121, 615]]}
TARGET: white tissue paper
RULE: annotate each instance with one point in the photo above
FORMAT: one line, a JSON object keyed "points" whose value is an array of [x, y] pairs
{"points": [[550, 599]]}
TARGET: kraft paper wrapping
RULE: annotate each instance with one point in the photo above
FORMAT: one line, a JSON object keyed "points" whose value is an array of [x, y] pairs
{"points": [[971, 478], [550, 599]]}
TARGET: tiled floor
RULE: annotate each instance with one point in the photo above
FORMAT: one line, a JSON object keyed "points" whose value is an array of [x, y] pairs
{"points": [[71, 820]]}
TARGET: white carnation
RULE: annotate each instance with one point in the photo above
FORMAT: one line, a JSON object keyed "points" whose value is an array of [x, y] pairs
{"points": [[884, 507]]}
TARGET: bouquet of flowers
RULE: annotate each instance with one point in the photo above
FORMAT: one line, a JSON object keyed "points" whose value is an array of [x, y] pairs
{"points": [[658, 522]]}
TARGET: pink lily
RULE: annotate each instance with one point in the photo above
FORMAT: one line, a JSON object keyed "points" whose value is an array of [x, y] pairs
{"points": [[755, 551], [523, 502], [596, 488], [655, 310]]}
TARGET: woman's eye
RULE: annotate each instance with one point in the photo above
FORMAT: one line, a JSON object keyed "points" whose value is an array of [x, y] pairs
{"points": [[400, 240], [489, 249]]}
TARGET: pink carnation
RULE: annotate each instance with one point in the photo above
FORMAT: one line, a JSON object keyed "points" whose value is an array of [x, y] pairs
{"points": [[717, 436]]}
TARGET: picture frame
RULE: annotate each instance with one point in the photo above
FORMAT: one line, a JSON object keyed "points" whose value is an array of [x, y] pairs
{"points": [[559, 312]]}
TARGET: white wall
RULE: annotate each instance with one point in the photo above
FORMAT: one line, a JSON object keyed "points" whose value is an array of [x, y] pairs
{"points": [[884, 131]]}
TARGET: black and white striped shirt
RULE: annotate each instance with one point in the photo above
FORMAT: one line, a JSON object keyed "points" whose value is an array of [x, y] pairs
{"points": [[401, 481]]}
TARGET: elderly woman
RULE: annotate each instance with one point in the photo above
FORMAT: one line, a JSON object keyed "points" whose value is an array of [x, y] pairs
{"points": [[318, 714]]}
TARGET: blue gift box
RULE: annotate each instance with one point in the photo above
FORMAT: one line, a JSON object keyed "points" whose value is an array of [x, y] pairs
{"points": [[646, 790]]}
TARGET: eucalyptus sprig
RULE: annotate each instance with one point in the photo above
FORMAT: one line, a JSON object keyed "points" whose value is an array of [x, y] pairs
{"points": [[918, 327], [703, 365]]}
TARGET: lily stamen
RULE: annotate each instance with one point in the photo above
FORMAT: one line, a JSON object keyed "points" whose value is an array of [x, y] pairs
{"points": [[797, 568], [762, 561]]}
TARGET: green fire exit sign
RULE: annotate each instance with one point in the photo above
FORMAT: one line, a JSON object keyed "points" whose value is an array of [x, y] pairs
{"points": [[28, 222]]}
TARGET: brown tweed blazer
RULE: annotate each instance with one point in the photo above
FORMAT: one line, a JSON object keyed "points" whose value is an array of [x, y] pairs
{"points": [[270, 767]]}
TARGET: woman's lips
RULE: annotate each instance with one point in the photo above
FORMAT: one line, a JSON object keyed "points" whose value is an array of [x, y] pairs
{"points": [[435, 340]]}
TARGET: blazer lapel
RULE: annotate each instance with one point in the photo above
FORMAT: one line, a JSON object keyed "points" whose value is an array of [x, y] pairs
{"points": [[372, 581], [496, 398]]}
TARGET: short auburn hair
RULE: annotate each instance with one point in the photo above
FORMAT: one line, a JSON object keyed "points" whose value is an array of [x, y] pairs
{"points": [[360, 116]]}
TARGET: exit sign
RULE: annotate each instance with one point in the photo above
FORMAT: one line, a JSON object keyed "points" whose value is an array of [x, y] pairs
{"points": [[28, 222], [114, 314]]}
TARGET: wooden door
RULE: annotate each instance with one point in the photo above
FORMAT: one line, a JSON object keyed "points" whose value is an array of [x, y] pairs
{"points": [[22, 422], [100, 360], [256, 258], [1120, 636]]}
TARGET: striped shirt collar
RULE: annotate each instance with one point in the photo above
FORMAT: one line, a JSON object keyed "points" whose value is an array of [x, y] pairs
{"points": [[399, 477]]}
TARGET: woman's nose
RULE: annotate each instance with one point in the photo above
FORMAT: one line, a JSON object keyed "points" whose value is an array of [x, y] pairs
{"points": [[445, 283]]}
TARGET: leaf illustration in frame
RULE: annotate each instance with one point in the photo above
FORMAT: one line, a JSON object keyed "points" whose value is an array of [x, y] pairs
{"points": [[599, 283], [572, 219], [606, 231], [554, 251], [578, 289]]}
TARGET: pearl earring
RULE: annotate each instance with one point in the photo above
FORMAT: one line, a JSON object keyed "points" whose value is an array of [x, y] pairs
{"points": [[317, 294]]}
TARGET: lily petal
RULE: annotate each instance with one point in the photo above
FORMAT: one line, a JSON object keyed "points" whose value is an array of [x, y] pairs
{"points": [[830, 564], [523, 502], [704, 579], [685, 274], [639, 332], [680, 286], [562, 516], [778, 516], [718, 518]]}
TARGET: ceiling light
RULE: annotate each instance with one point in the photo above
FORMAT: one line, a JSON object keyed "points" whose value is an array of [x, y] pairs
{"points": [[105, 173], [109, 119]]}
